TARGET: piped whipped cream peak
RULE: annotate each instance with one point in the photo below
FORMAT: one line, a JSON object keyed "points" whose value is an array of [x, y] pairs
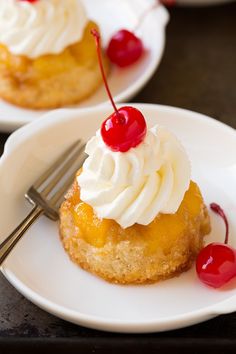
{"points": [[33, 29], [135, 186]]}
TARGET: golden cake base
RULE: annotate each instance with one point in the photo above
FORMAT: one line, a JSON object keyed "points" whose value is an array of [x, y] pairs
{"points": [[138, 254], [52, 81]]}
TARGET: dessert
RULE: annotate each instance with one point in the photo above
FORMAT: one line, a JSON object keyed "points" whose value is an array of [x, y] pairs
{"points": [[139, 253], [133, 215], [47, 55]]}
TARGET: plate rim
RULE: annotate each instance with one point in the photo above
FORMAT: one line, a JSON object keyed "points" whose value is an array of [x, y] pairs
{"points": [[147, 326], [40, 123]]}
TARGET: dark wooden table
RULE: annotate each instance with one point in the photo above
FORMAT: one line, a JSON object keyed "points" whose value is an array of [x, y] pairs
{"points": [[197, 73]]}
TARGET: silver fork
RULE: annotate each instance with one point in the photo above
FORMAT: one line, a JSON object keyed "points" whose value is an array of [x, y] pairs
{"points": [[47, 193]]}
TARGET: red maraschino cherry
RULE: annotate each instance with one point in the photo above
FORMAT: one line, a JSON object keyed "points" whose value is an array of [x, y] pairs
{"points": [[216, 263], [125, 48], [126, 127]]}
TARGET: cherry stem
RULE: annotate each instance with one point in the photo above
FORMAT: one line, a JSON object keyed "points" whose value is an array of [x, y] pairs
{"points": [[150, 9], [97, 37], [144, 14], [218, 210]]}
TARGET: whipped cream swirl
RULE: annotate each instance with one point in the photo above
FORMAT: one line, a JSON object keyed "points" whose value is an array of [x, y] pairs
{"points": [[40, 28], [134, 187]]}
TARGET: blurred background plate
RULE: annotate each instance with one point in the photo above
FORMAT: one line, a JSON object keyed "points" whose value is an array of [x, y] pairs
{"points": [[124, 83]]}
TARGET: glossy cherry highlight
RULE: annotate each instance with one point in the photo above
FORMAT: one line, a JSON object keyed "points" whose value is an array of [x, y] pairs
{"points": [[216, 263], [126, 127]]}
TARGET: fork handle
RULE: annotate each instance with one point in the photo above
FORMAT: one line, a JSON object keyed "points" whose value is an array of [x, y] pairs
{"points": [[8, 244]]}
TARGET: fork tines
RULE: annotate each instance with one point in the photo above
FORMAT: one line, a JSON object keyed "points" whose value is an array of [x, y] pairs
{"points": [[49, 189]]}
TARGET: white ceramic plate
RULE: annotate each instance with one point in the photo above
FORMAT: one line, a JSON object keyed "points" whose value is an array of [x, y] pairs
{"points": [[41, 270], [111, 15]]}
